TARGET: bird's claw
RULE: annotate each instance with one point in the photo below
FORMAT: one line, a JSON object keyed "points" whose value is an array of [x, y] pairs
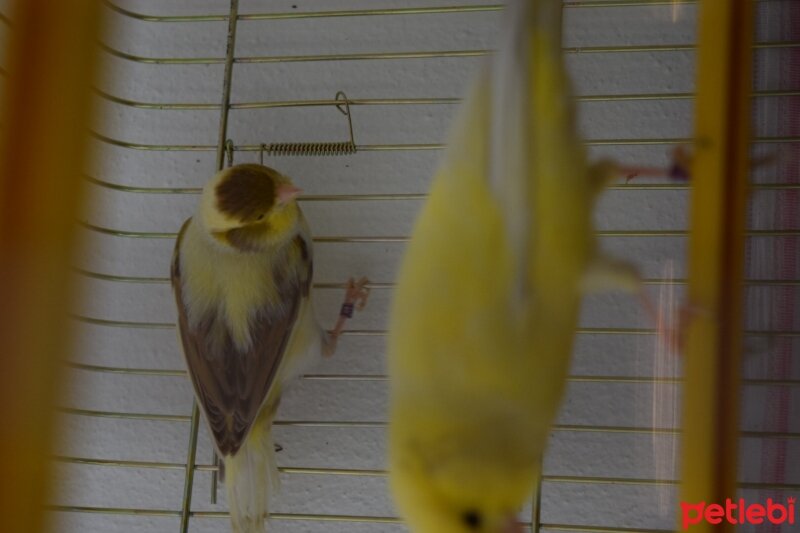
{"points": [[357, 292]]}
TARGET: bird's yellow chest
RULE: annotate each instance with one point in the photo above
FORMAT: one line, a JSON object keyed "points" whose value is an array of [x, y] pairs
{"points": [[233, 286]]}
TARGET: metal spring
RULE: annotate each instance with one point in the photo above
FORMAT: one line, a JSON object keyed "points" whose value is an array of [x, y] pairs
{"points": [[318, 148], [321, 148]]}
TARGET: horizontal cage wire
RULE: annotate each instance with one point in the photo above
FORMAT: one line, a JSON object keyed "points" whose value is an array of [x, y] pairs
{"points": [[129, 412]]}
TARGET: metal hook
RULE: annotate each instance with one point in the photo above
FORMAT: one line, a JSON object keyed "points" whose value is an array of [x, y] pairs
{"points": [[317, 148], [346, 113], [229, 151]]}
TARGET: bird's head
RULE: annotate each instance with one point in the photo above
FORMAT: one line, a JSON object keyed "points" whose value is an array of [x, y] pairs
{"points": [[459, 491], [248, 207]]}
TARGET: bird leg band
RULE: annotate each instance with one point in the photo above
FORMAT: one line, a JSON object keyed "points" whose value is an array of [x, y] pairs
{"points": [[346, 310]]}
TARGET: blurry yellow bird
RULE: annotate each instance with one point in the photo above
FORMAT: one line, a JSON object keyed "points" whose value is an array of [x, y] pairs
{"points": [[241, 274], [489, 292]]}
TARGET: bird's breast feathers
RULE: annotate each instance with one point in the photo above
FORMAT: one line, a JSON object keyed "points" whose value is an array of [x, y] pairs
{"points": [[231, 284]]}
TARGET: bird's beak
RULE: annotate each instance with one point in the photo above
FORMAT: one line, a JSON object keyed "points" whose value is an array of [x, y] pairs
{"points": [[286, 193], [512, 526]]}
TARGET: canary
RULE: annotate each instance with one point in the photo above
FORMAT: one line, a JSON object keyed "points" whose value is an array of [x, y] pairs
{"points": [[488, 294], [241, 274]]}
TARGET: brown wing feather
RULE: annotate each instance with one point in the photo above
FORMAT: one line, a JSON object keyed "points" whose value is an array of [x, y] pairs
{"points": [[232, 385]]}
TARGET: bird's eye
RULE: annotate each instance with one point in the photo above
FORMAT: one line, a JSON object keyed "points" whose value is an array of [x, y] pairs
{"points": [[260, 217], [472, 519]]}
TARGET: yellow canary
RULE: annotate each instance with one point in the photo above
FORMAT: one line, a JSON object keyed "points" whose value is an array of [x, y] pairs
{"points": [[241, 274], [489, 291]]}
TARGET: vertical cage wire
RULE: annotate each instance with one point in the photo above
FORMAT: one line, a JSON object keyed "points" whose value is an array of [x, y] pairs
{"points": [[612, 356]]}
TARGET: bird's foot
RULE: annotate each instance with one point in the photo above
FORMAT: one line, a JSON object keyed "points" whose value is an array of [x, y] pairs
{"points": [[356, 296], [678, 170], [686, 314]]}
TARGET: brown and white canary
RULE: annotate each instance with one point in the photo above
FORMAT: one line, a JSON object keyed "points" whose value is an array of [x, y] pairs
{"points": [[241, 273]]}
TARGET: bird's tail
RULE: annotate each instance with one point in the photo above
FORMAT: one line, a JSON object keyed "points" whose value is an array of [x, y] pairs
{"points": [[534, 153], [251, 475]]}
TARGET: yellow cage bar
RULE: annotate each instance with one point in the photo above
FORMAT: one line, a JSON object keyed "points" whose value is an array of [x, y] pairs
{"points": [[45, 111], [716, 255]]}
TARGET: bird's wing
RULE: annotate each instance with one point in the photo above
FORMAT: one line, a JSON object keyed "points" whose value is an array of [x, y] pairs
{"points": [[231, 384]]}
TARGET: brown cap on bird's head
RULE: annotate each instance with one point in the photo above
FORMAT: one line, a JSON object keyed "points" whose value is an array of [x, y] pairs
{"points": [[243, 194]]}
